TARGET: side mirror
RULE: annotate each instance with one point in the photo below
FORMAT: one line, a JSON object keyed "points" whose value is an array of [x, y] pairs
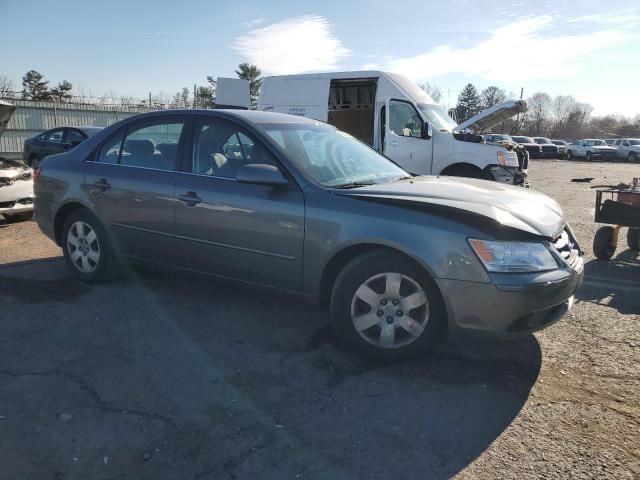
{"points": [[427, 132], [262, 174]]}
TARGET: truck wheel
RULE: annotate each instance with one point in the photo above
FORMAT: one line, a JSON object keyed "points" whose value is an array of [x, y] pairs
{"points": [[588, 157], [386, 307], [632, 157], [570, 155], [603, 247], [633, 239]]}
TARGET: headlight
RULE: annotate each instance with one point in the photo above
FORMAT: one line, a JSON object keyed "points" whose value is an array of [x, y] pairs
{"points": [[508, 159], [513, 257]]}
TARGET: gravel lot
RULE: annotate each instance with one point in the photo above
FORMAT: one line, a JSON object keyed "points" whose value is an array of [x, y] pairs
{"points": [[166, 376]]}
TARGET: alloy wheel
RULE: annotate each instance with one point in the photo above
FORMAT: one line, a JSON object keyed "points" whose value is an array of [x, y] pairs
{"points": [[83, 247], [390, 310]]}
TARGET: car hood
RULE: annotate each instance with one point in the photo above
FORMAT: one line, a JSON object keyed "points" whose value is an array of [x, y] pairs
{"points": [[493, 115], [603, 147], [6, 111], [513, 207]]}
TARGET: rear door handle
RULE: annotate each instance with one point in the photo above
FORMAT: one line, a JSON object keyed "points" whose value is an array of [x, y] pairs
{"points": [[190, 198], [102, 184]]}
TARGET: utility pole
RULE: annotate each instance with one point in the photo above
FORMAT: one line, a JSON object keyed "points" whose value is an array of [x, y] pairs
{"points": [[195, 98], [149, 99]]}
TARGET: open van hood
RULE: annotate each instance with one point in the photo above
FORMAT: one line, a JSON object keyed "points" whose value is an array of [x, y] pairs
{"points": [[493, 115], [6, 110]]}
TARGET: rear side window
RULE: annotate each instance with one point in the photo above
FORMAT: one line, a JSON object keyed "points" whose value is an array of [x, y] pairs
{"points": [[152, 146], [110, 151], [74, 136], [147, 146]]}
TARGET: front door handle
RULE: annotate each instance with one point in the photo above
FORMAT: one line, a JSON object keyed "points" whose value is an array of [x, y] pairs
{"points": [[190, 198], [102, 184]]}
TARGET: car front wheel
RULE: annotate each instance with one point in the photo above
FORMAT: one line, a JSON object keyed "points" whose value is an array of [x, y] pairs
{"points": [[386, 307], [87, 249]]}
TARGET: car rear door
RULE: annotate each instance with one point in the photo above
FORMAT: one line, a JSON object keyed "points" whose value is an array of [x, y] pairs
{"points": [[246, 231], [131, 184]]}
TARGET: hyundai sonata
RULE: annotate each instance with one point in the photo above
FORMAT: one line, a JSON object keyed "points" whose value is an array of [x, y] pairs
{"points": [[298, 205]]}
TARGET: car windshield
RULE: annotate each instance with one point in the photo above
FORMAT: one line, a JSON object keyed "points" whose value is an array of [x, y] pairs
{"points": [[333, 158], [437, 116], [89, 131], [634, 142], [596, 143], [498, 138], [542, 141], [558, 142], [523, 139]]}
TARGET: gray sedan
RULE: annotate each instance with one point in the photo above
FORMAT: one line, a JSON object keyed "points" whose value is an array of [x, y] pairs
{"points": [[298, 205]]}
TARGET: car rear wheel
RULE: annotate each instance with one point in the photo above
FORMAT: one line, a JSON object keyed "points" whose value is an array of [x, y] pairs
{"points": [[632, 157], [633, 239], [87, 249], [603, 246], [386, 307]]}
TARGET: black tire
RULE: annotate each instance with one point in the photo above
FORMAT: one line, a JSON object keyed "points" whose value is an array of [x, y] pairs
{"points": [[468, 172], [34, 161], [603, 247], [18, 217], [633, 239], [632, 157], [356, 273], [106, 266], [588, 157], [569, 155]]}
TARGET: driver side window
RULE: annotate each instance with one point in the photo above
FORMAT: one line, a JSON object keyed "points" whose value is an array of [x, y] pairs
{"points": [[404, 119]]}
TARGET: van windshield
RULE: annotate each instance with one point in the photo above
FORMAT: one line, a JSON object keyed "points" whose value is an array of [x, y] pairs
{"points": [[333, 158], [437, 116]]}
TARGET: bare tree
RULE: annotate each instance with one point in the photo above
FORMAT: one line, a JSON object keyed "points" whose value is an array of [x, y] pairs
{"points": [[432, 90], [6, 87], [539, 113], [561, 109]]}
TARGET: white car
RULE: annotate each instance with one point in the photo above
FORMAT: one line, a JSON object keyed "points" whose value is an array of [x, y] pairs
{"points": [[591, 149], [16, 179], [628, 148]]}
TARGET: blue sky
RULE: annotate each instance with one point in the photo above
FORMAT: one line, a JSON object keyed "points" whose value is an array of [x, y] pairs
{"points": [[133, 47]]}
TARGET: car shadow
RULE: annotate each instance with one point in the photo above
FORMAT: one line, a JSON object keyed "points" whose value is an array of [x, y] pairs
{"points": [[614, 283], [236, 381]]}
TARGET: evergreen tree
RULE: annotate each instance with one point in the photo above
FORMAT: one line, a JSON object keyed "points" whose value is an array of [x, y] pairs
{"points": [[469, 103], [34, 86], [62, 92], [252, 73]]}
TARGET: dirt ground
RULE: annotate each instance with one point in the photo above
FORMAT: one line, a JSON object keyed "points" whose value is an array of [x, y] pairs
{"points": [[165, 376]]}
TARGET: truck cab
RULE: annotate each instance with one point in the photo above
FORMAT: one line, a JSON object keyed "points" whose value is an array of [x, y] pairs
{"points": [[397, 118]]}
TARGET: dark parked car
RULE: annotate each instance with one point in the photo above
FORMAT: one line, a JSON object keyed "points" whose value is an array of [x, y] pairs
{"points": [[549, 149], [298, 205], [54, 141], [535, 150]]}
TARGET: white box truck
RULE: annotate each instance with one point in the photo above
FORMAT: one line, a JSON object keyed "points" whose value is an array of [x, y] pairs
{"points": [[397, 118]]}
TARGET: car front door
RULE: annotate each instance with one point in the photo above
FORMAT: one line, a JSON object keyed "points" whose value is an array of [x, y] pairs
{"points": [[403, 139], [131, 184], [240, 230], [623, 149]]}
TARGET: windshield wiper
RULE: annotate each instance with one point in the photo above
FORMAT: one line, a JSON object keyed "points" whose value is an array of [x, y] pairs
{"points": [[362, 183]]}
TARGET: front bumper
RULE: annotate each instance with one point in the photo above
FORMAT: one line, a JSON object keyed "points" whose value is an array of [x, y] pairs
{"points": [[514, 305], [17, 197]]}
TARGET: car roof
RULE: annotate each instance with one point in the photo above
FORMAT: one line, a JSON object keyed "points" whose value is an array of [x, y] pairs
{"points": [[252, 116]]}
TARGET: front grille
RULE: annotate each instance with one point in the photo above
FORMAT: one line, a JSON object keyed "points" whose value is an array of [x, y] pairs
{"points": [[568, 249], [549, 148]]}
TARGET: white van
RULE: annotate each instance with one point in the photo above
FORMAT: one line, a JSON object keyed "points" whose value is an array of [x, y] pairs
{"points": [[397, 118]]}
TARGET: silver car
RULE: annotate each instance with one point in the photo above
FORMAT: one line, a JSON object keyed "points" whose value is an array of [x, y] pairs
{"points": [[300, 206]]}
